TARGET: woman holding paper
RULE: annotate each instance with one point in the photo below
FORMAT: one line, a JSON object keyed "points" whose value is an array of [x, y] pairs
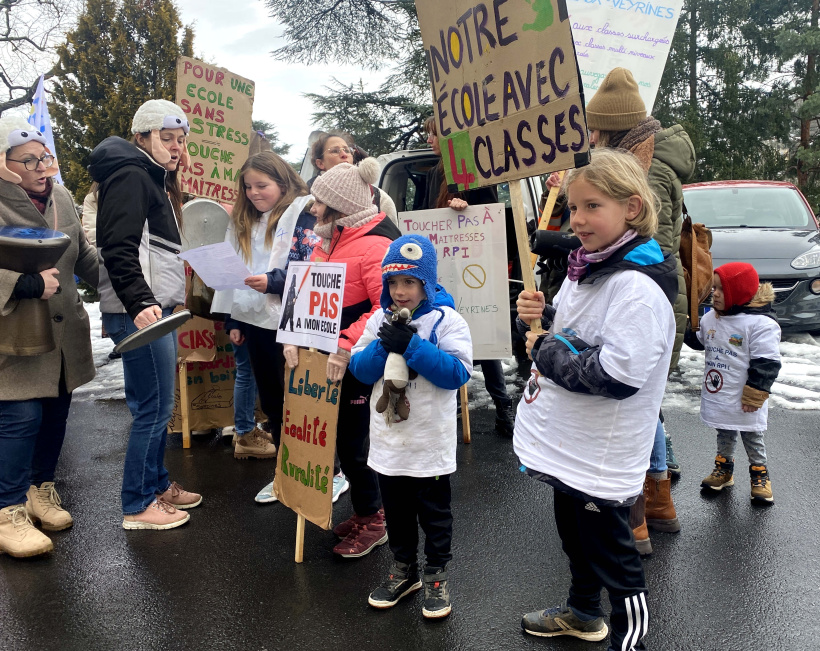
{"points": [[437, 195], [138, 237], [269, 227]]}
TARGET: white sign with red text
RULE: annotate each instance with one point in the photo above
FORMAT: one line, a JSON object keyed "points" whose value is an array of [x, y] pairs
{"points": [[312, 305]]}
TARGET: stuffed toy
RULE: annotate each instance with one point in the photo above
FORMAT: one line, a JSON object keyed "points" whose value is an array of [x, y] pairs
{"points": [[393, 400]]}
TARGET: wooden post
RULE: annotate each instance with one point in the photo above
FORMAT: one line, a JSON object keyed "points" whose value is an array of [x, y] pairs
{"points": [[523, 242], [300, 538], [465, 414], [184, 407], [547, 214]]}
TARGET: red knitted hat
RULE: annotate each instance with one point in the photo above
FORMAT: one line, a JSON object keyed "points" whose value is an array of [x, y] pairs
{"points": [[740, 283]]}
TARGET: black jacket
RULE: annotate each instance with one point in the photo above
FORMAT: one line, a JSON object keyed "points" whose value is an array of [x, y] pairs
{"points": [[137, 231]]}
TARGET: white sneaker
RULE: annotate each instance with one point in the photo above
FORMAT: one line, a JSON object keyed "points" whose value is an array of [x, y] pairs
{"points": [[266, 495], [340, 485]]}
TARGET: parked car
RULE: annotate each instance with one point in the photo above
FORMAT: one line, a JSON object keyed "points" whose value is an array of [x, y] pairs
{"points": [[770, 225]]}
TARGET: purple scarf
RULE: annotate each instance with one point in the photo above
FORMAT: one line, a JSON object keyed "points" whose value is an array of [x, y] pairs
{"points": [[579, 260]]}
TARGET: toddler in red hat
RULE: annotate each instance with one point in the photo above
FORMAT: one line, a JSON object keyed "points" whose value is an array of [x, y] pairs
{"points": [[742, 342]]}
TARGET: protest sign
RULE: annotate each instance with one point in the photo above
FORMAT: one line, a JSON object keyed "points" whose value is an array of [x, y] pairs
{"points": [[304, 468], [472, 266], [196, 340], [506, 92], [218, 105], [312, 305], [209, 383], [623, 34]]}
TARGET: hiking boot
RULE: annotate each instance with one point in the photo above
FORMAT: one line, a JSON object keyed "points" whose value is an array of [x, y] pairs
{"points": [[660, 511], [368, 532], [344, 528], [266, 495], [637, 520], [504, 419], [721, 476], [18, 537], [672, 464], [177, 496], [402, 581], [563, 621], [340, 485], [43, 506], [761, 485], [436, 593], [159, 515], [254, 444]]}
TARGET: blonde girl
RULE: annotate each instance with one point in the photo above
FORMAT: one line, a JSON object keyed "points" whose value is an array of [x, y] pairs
{"points": [[586, 422]]}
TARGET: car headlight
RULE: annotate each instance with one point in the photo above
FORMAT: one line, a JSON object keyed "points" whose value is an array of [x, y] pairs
{"points": [[808, 260]]}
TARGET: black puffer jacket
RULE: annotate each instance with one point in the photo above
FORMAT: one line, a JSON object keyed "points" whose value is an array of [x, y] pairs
{"points": [[137, 233]]}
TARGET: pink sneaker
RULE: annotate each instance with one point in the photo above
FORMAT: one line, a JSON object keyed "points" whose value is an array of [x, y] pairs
{"points": [[177, 496], [368, 532], [160, 515]]}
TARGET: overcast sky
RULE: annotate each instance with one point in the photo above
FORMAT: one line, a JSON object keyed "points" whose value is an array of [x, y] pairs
{"points": [[239, 36]]}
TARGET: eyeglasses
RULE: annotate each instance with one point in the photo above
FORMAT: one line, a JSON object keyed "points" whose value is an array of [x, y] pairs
{"points": [[338, 150], [31, 163]]}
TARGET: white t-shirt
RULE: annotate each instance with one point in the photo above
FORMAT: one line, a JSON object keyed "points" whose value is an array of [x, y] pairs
{"points": [[731, 342], [424, 445], [599, 445]]}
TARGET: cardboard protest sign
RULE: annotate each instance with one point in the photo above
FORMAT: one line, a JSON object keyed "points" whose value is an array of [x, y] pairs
{"points": [[210, 384], [304, 467], [312, 305], [506, 92], [196, 340], [472, 266], [218, 105], [623, 34]]}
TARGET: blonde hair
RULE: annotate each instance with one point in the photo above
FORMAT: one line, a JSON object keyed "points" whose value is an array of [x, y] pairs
{"points": [[618, 175], [245, 215]]}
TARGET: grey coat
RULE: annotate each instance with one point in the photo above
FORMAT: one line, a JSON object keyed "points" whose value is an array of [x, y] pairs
{"points": [[38, 376]]}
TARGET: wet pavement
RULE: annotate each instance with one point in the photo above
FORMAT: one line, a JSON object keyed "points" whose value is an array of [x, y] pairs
{"points": [[736, 577]]}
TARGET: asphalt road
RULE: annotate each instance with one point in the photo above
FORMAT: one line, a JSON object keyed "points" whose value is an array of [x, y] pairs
{"points": [[736, 577]]}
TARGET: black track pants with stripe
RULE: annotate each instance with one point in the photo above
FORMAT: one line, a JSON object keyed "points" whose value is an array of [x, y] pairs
{"points": [[601, 550]]}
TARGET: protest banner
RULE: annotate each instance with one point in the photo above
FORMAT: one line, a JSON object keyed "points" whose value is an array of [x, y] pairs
{"points": [[304, 468], [209, 384], [506, 92], [472, 266], [312, 305], [218, 104], [623, 34]]}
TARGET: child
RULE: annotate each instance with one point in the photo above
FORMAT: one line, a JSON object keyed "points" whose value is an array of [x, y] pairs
{"points": [[415, 457], [586, 423], [742, 341], [269, 227]]}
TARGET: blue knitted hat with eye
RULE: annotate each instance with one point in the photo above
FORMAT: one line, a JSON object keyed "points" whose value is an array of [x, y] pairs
{"points": [[410, 255]]}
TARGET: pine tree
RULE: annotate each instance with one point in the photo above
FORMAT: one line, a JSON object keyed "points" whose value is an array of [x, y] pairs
{"points": [[270, 133], [120, 55]]}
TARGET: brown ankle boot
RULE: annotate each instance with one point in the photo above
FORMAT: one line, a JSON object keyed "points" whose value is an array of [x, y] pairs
{"points": [[637, 521], [660, 511]]}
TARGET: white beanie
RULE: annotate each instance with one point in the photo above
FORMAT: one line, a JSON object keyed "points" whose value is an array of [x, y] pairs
{"points": [[346, 187], [156, 114]]}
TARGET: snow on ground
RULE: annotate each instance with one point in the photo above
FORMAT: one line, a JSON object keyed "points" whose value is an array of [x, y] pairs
{"points": [[797, 387]]}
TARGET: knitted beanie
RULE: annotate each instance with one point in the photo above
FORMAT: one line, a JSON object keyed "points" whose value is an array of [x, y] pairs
{"points": [[156, 114], [410, 255], [740, 283], [617, 104], [346, 187]]}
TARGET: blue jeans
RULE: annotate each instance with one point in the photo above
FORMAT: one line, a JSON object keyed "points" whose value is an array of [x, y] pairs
{"points": [[31, 438], [149, 392], [244, 391], [657, 462]]}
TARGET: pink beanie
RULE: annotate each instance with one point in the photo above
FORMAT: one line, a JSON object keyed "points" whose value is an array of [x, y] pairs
{"points": [[346, 187]]}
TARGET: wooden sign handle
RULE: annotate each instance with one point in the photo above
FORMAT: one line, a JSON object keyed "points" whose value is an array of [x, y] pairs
{"points": [[552, 197], [300, 538], [184, 405], [523, 241], [465, 414]]}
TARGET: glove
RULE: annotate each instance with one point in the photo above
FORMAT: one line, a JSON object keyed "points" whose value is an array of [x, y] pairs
{"points": [[337, 365], [396, 337], [291, 355]]}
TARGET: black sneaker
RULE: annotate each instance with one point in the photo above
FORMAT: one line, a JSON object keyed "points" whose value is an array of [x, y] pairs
{"points": [[436, 593], [402, 581], [562, 621]]}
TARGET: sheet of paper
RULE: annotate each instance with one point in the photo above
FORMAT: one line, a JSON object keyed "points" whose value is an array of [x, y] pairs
{"points": [[219, 266]]}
